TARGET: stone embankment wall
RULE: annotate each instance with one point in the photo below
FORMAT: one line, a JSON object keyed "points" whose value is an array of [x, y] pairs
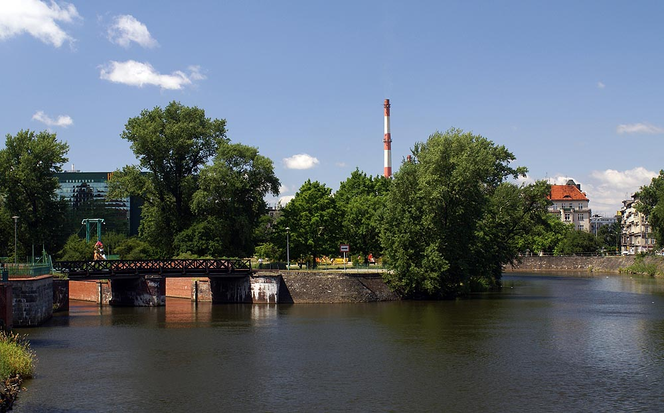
{"points": [[32, 300], [324, 287], [584, 264]]}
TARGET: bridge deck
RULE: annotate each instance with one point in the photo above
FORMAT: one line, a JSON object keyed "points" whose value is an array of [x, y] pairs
{"points": [[103, 269]]}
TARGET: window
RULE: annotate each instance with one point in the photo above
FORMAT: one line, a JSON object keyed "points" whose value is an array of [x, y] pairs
{"points": [[580, 217], [566, 217]]}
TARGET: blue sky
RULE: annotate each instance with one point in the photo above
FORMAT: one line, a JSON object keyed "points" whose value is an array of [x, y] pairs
{"points": [[573, 89]]}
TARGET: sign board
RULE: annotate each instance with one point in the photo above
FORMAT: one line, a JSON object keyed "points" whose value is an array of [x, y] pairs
{"points": [[344, 248]]}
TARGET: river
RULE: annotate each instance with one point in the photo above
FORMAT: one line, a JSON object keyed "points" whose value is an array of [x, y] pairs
{"points": [[546, 343]]}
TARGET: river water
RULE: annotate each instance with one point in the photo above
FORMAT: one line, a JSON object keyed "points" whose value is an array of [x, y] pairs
{"points": [[545, 343]]}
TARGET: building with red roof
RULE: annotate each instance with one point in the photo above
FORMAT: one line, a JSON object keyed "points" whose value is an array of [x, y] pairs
{"points": [[571, 205]]}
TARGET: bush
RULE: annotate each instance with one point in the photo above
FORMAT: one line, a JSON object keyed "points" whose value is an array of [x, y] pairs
{"points": [[640, 266], [16, 356]]}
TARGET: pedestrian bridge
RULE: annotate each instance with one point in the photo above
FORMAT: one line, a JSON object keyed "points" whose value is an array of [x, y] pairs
{"points": [[116, 269]]}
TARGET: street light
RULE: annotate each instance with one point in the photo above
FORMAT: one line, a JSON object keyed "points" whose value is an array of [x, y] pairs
{"points": [[287, 248], [15, 218]]}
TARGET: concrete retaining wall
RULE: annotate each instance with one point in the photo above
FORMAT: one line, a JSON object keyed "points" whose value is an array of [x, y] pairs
{"points": [[32, 300], [324, 287]]}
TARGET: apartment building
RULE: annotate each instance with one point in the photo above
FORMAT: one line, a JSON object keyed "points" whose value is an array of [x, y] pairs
{"points": [[636, 236], [571, 205]]}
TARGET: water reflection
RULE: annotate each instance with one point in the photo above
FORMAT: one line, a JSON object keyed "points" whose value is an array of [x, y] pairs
{"points": [[546, 343]]}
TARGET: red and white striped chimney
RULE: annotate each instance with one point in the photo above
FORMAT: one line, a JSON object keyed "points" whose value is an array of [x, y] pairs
{"points": [[387, 141]]}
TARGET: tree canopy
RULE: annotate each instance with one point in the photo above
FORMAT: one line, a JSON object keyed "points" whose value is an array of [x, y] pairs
{"points": [[651, 203], [171, 145], [314, 223], [27, 183], [361, 200], [452, 219]]}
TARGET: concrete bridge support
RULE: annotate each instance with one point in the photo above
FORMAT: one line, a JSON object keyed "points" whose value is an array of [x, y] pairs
{"points": [[249, 289], [138, 292]]}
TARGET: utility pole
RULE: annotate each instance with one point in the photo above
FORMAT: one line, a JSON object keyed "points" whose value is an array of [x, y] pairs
{"points": [[15, 218]]}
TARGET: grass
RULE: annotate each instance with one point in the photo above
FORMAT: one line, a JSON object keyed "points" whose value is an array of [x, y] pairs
{"points": [[16, 356], [640, 266]]}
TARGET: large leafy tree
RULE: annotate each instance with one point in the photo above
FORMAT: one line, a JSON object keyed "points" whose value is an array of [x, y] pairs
{"points": [[27, 167], [230, 203], [171, 145], [314, 221], [608, 237], [577, 242], [361, 199], [451, 218], [651, 203]]}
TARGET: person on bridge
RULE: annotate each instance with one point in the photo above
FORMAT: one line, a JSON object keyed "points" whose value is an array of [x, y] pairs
{"points": [[99, 251]]}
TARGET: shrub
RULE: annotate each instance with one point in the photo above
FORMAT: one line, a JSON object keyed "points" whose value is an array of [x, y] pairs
{"points": [[16, 356]]}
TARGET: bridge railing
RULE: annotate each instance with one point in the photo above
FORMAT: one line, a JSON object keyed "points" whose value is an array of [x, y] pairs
{"points": [[182, 267]]}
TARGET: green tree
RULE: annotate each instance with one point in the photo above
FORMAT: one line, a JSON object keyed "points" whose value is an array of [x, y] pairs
{"points": [[577, 242], [76, 249], [451, 220], [361, 200], [171, 145], [545, 235], [608, 237], [230, 203], [314, 221], [27, 167], [651, 203]]}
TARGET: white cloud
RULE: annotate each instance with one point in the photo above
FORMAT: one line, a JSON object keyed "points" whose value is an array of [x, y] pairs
{"points": [[285, 200], [600, 85], [63, 121], [37, 19], [139, 74], [300, 161], [341, 164], [607, 189], [126, 29], [639, 128]]}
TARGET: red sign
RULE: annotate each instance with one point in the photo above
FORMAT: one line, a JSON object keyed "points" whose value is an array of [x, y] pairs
{"points": [[344, 248]]}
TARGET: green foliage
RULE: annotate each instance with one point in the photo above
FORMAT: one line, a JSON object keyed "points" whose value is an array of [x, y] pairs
{"points": [[361, 200], [314, 221], [577, 242], [608, 236], [451, 221], [16, 356], [231, 197], [134, 248], [172, 144], [28, 188], [640, 266], [76, 249], [651, 203], [269, 250], [545, 235]]}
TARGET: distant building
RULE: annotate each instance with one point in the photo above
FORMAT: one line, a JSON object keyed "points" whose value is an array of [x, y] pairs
{"points": [[83, 188], [597, 222], [570, 205], [636, 236]]}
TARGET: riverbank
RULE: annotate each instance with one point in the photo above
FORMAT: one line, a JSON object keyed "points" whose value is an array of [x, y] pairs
{"points": [[16, 363], [610, 264]]}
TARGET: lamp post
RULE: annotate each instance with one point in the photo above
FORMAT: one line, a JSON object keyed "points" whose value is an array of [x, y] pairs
{"points": [[288, 248], [15, 218]]}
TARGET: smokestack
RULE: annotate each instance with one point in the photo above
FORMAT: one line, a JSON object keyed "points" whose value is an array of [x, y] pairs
{"points": [[387, 141]]}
